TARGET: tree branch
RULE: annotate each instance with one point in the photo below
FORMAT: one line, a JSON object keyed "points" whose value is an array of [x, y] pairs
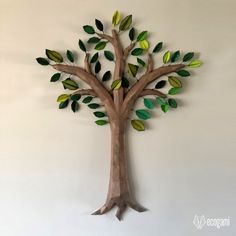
{"points": [[146, 92], [107, 37], [86, 92], [127, 50], [86, 63], [150, 64]]}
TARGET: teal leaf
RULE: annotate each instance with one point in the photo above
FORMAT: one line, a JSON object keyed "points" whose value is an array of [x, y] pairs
{"points": [[143, 114], [158, 47], [75, 97], [172, 103], [160, 101], [148, 103], [99, 114], [89, 29], [137, 52], [183, 73], [55, 77], [93, 40], [42, 61], [174, 91]]}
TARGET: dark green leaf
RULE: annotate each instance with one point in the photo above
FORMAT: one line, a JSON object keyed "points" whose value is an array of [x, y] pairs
{"points": [[64, 104], [93, 40], [101, 45], [87, 100], [158, 47], [160, 84], [89, 29], [94, 58], [116, 84], [141, 62], [97, 67], [101, 122], [183, 73], [99, 24], [174, 91], [82, 46], [175, 56], [93, 105], [63, 97], [70, 84], [42, 61], [125, 82], [54, 56], [165, 107], [148, 103], [70, 56], [106, 76], [142, 36], [160, 101], [99, 114], [188, 56], [126, 23], [137, 52], [55, 77], [132, 34], [74, 106], [172, 103], [138, 125], [175, 82], [109, 55], [132, 69], [143, 114], [75, 97]]}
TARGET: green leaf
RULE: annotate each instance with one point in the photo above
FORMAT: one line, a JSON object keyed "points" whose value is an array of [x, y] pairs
{"points": [[106, 76], [125, 23], [137, 52], [143, 114], [172, 103], [82, 46], [97, 67], [158, 47], [93, 105], [74, 106], [99, 114], [183, 73], [125, 82], [109, 55], [89, 29], [93, 40], [160, 101], [70, 56], [87, 99], [165, 107], [116, 18], [141, 62], [63, 97], [101, 45], [55, 77], [54, 56], [175, 56], [160, 84], [94, 58], [142, 36], [166, 57], [70, 84], [99, 24], [132, 69], [132, 34], [188, 56], [42, 61], [101, 122], [138, 125], [195, 64], [116, 84], [174, 82], [144, 44], [148, 103], [75, 97], [64, 104], [174, 91]]}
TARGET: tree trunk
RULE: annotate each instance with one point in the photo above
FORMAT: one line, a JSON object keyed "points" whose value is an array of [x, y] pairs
{"points": [[119, 192]]}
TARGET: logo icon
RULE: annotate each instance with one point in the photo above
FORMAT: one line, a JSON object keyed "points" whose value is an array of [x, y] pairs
{"points": [[199, 221]]}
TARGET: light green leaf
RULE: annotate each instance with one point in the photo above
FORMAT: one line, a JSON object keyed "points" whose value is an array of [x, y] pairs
{"points": [[42, 61], [142, 36], [132, 69], [55, 77], [74, 106], [70, 84], [144, 44], [172, 103], [188, 56], [175, 82], [63, 97], [87, 99], [137, 52], [165, 107], [166, 57], [116, 84], [158, 47], [160, 101], [70, 56], [101, 45], [109, 55], [195, 64], [54, 56], [101, 122], [148, 103], [116, 18], [89, 29], [125, 23], [174, 91], [99, 114], [143, 114], [138, 125]]}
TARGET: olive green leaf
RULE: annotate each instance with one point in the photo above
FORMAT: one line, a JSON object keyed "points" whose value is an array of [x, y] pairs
{"points": [[174, 91], [89, 29], [93, 40], [42, 61], [166, 57], [165, 107], [138, 125], [132, 34], [99, 24], [148, 103], [116, 84], [82, 46], [87, 99], [64, 104], [175, 82], [94, 58], [158, 47], [70, 56], [70, 84], [141, 62], [132, 69], [144, 44], [137, 52], [172, 103], [55, 77], [195, 64], [116, 18], [125, 82], [97, 67], [93, 105], [160, 101], [63, 97], [142, 36], [160, 84], [75, 97], [143, 114], [74, 106], [109, 55], [106, 76], [188, 56], [183, 73], [101, 122], [125, 23], [54, 56], [101, 45], [99, 114], [175, 56]]}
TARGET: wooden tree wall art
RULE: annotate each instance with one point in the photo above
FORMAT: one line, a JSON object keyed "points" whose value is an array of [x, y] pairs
{"points": [[118, 91]]}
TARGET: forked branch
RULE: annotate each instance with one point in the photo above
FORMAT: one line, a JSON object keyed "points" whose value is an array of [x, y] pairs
{"points": [[155, 92]]}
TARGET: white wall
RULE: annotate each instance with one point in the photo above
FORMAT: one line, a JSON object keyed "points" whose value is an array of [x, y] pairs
{"points": [[54, 165]]}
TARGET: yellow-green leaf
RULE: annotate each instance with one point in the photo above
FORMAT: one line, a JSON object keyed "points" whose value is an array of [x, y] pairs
{"points": [[144, 44], [63, 97], [125, 23], [116, 18], [174, 81], [54, 56], [138, 125], [166, 57], [116, 84], [195, 63], [132, 69]]}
